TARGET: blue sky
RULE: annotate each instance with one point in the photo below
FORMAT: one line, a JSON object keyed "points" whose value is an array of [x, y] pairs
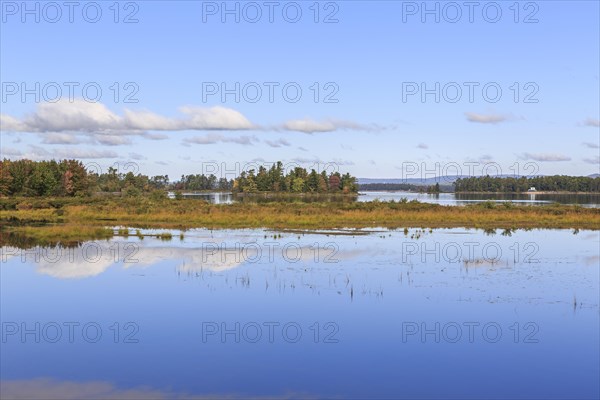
{"points": [[367, 118]]}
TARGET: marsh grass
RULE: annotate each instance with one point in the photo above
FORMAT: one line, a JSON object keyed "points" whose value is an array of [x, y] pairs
{"points": [[67, 235], [165, 236], [88, 217]]}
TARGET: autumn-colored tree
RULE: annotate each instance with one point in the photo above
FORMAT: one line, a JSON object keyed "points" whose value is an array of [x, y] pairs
{"points": [[5, 178], [334, 182], [72, 178], [67, 182], [298, 185]]}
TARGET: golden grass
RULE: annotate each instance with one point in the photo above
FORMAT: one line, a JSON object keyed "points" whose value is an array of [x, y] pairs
{"points": [[183, 214], [66, 235]]}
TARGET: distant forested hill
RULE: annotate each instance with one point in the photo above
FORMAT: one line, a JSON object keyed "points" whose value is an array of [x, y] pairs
{"points": [[554, 183]]}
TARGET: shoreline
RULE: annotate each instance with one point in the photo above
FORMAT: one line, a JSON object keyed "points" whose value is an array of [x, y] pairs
{"points": [[536, 192], [487, 193], [72, 220]]}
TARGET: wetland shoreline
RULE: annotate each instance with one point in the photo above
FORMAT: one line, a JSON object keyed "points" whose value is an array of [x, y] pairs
{"points": [[78, 219]]}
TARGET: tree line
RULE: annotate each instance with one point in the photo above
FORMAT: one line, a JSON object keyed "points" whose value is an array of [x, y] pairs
{"points": [[71, 178], [297, 180], [43, 178], [554, 183]]}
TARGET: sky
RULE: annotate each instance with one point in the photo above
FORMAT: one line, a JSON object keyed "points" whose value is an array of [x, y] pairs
{"points": [[380, 89]]}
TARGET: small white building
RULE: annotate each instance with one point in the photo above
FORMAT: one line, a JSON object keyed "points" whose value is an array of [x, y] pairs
{"points": [[532, 189]]}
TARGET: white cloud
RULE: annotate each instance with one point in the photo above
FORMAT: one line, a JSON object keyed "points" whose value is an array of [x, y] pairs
{"points": [[308, 126], [311, 126], [82, 118], [112, 140], [65, 116], [485, 118], [146, 120], [136, 156], [154, 136], [198, 118], [213, 138], [60, 138], [59, 266], [40, 153], [591, 145], [215, 118], [85, 117], [592, 122], [277, 143], [10, 124], [593, 160], [546, 157], [422, 146], [84, 153]]}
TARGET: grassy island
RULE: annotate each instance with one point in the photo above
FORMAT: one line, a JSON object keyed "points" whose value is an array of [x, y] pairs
{"points": [[72, 219]]}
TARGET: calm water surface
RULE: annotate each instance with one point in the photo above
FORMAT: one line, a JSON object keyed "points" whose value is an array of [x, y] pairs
{"points": [[449, 313], [585, 200]]}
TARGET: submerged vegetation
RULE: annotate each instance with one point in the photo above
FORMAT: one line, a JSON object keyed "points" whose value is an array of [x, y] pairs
{"points": [[70, 219]]}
